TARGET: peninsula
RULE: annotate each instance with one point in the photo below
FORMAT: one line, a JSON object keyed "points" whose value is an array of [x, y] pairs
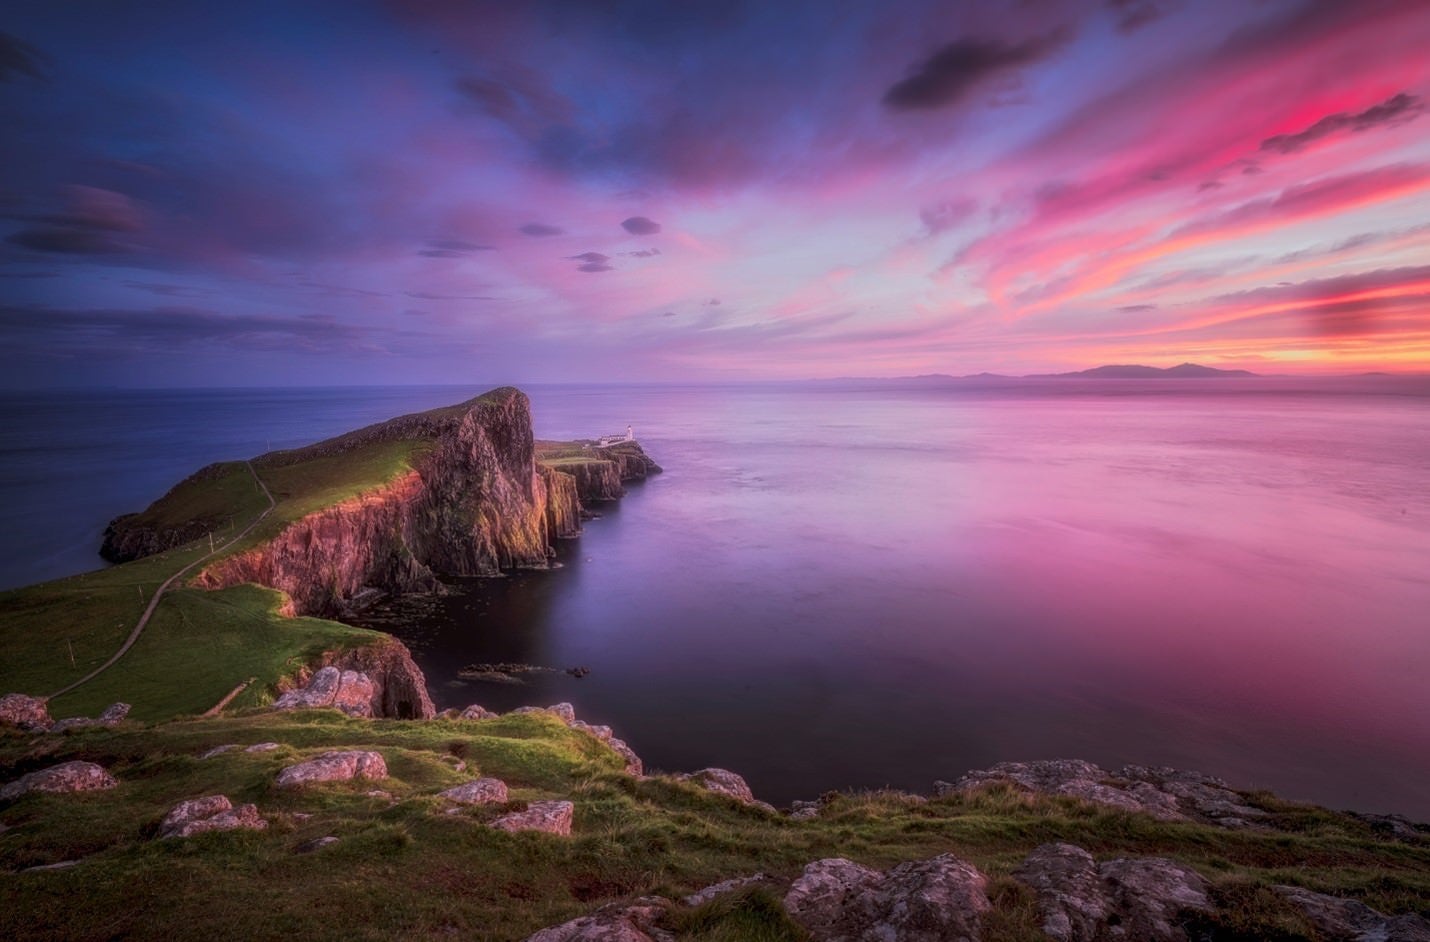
{"points": [[249, 766]]}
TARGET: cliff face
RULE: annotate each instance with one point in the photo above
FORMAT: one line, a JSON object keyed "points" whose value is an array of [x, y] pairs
{"points": [[395, 688], [132, 536], [563, 504], [474, 504], [596, 479]]}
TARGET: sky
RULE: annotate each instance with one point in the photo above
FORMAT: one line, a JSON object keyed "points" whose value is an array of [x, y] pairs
{"points": [[609, 190]]}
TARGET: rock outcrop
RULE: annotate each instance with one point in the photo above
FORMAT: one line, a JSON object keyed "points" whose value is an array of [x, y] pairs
{"points": [[113, 715], [619, 922], [1142, 898], [566, 713], [212, 813], [1166, 794], [334, 767], [942, 899], [25, 712], [1347, 920], [597, 479], [483, 791], [550, 817], [722, 782], [381, 675], [65, 777], [563, 504]]}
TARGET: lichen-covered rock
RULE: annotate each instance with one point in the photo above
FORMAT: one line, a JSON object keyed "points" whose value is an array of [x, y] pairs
{"points": [[1166, 794], [212, 813], [476, 712], [1348, 920], [25, 712], [375, 680], [618, 922], [483, 791], [721, 782], [1141, 898], [1071, 897], [1151, 894], [551, 817], [65, 777], [349, 691], [941, 899], [334, 767]]}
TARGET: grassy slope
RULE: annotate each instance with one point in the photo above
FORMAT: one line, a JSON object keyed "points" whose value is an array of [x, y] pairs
{"points": [[199, 645], [406, 870]]}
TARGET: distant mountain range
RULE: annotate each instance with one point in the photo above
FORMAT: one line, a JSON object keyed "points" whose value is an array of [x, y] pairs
{"points": [[1117, 371], [1181, 371]]}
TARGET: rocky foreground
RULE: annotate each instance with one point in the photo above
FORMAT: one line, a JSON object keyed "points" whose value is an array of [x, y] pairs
{"points": [[1067, 890]]}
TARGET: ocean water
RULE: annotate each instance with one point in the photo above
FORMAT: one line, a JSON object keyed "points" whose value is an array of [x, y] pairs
{"points": [[855, 586]]}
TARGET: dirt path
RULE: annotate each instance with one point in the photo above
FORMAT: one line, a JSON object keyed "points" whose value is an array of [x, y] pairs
{"points": [[159, 594]]}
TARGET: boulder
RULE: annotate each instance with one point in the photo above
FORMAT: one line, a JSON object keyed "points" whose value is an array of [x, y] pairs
{"points": [[317, 843], [941, 899], [1347, 920], [262, 747], [213, 813], [804, 810], [721, 782], [552, 817], [619, 922], [634, 765], [476, 712], [1143, 898], [1071, 898], [65, 777], [113, 715], [334, 767], [346, 690], [24, 712], [483, 791]]}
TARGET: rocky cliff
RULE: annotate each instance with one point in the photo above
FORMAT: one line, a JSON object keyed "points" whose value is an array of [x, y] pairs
{"points": [[132, 536], [474, 503]]}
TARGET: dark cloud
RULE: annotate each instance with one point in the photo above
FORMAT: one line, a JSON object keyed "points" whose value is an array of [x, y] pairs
{"points": [[168, 290], [1397, 109], [1134, 308], [342, 291], [642, 253], [713, 302], [640, 225], [540, 229], [452, 248], [85, 224], [950, 74], [591, 262], [165, 327], [427, 296], [1132, 15], [65, 241], [18, 57]]}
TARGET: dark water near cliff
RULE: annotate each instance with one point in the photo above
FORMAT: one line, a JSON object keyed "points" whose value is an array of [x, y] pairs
{"points": [[860, 587]]}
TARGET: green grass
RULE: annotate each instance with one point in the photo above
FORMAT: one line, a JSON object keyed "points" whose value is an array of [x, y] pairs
{"points": [[406, 870], [199, 645]]}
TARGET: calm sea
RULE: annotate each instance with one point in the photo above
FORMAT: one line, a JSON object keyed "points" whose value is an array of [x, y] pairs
{"points": [[856, 587]]}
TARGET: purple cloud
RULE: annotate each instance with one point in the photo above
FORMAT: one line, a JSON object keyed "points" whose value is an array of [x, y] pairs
{"points": [[946, 77], [541, 230]]}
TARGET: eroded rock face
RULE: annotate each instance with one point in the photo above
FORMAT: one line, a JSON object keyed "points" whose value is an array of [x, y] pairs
{"points": [[1143, 898], [212, 813], [128, 537], [65, 777], [334, 767], [25, 712], [551, 817], [941, 899], [1166, 794], [1345, 920], [563, 504], [483, 791], [619, 922], [596, 480], [721, 782]]}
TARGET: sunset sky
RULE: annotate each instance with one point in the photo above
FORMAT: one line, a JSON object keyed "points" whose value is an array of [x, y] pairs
{"points": [[292, 193]]}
